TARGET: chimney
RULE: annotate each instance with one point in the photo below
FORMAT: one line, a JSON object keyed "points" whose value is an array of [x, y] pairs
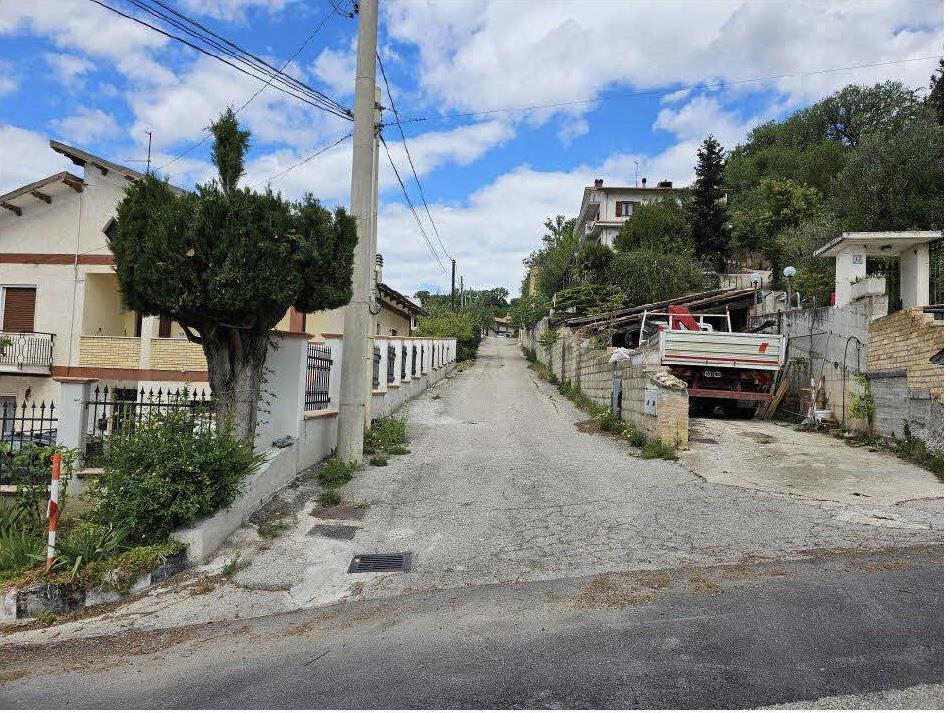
{"points": [[665, 184], [599, 183], [378, 268], [643, 183]]}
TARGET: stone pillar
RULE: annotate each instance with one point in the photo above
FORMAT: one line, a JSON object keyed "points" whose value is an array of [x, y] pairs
{"points": [[849, 266], [914, 276], [145, 341]]}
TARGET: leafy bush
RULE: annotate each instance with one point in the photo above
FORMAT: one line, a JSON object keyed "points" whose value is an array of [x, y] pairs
{"points": [[548, 337], [335, 473], [862, 405], [20, 548], [168, 472], [594, 261], [914, 450], [648, 275], [661, 226], [530, 309], [607, 421], [530, 355], [635, 436]]}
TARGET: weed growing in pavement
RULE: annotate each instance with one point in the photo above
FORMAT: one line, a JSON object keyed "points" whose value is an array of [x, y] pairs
{"points": [[656, 448], [633, 435], [385, 433], [398, 450], [530, 355], [270, 530], [46, 618], [378, 460], [332, 475], [914, 450], [235, 565]]}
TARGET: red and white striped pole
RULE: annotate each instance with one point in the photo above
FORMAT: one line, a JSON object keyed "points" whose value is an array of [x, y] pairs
{"points": [[53, 510]]}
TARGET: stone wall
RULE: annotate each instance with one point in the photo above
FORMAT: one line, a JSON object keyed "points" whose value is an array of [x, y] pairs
{"points": [[590, 369]]}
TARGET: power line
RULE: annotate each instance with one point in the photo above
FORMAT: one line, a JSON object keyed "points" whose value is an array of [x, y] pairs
{"points": [[306, 95], [264, 86], [239, 50], [412, 208], [652, 92], [409, 158], [301, 163]]}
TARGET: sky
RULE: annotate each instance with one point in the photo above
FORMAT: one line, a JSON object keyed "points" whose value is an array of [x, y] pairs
{"points": [[637, 85]]}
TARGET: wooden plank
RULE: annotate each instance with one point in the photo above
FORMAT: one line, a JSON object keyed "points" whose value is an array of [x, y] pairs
{"points": [[41, 196], [777, 399], [15, 208]]}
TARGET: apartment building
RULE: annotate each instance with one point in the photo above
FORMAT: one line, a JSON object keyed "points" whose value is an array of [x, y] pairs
{"points": [[605, 208]]}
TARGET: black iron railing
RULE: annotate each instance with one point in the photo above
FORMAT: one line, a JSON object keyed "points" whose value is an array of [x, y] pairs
{"points": [[27, 349], [110, 410], [936, 272], [390, 364], [377, 356], [317, 380], [413, 372], [20, 426], [403, 363]]}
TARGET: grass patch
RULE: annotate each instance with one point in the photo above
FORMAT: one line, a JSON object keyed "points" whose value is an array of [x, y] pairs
{"points": [[398, 450], [379, 460], [914, 450], [385, 433], [333, 474], [235, 565]]}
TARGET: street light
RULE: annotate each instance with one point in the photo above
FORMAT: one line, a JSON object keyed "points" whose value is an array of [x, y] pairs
{"points": [[789, 271]]}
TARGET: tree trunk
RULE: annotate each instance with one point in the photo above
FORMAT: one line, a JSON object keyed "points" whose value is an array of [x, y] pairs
{"points": [[235, 370]]}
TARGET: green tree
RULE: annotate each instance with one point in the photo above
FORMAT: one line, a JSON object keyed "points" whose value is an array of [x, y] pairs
{"points": [[796, 245], [647, 275], [593, 263], [464, 327], [556, 256], [227, 263], [530, 309], [936, 92], [707, 210], [656, 226], [894, 181]]}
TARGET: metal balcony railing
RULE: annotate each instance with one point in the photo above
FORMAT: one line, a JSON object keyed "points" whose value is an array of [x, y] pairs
{"points": [[26, 350]]}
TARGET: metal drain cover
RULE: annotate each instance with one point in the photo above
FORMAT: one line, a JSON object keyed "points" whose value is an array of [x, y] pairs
{"points": [[334, 531], [390, 562]]}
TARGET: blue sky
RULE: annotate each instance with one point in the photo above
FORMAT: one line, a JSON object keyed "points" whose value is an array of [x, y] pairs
{"points": [[71, 70]]}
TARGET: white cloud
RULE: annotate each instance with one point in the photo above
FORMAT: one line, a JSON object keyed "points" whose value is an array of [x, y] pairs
{"points": [[230, 10], [8, 82], [336, 69], [498, 54], [86, 125], [68, 68], [26, 157]]}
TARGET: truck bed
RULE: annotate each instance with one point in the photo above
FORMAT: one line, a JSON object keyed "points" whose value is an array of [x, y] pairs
{"points": [[724, 349]]}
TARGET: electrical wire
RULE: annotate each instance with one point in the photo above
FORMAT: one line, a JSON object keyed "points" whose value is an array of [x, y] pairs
{"points": [[254, 96], [308, 96], [419, 185], [412, 208], [302, 162], [655, 92]]}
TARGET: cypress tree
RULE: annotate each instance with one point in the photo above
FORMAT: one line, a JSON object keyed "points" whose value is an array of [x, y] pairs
{"points": [[708, 216]]}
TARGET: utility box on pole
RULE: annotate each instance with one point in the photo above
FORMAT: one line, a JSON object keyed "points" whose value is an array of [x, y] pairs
{"points": [[356, 351]]}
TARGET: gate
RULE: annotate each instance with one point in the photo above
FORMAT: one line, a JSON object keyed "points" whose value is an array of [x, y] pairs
{"points": [[317, 380]]}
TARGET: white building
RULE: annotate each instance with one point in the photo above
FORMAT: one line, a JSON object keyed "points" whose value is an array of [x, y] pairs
{"points": [[605, 208]]}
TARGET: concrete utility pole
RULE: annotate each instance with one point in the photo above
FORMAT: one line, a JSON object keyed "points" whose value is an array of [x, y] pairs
{"points": [[371, 327], [462, 292], [452, 295], [350, 420]]}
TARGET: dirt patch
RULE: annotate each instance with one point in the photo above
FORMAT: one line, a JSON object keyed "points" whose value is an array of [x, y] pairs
{"points": [[588, 426], [758, 437], [703, 585], [615, 591], [7, 676], [887, 566], [204, 585]]}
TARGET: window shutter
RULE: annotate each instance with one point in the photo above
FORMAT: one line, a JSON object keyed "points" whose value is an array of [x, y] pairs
{"points": [[617, 209], [19, 308], [165, 327]]}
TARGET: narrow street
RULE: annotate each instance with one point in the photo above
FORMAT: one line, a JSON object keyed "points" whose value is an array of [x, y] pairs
{"points": [[551, 567]]}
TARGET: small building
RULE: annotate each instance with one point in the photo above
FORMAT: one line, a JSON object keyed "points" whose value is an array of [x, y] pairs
{"points": [[502, 327], [605, 208]]}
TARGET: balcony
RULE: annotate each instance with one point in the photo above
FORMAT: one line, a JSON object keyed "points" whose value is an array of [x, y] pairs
{"points": [[28, 353]]}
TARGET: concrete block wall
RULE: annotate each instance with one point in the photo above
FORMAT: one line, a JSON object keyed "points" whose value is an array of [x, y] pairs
{"points": [[907, 339]]}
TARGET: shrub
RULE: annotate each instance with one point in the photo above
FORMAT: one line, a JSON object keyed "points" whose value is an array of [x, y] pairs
{"points": [[914, 450], [590, 299], [334, 473], [607, 421], [464, 327], [167, 473], [85, 544], [635, 436], [548, 337], [530, 355], [862, 405]]}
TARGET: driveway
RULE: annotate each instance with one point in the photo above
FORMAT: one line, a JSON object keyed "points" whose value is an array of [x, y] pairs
{"points": [[532, 536]]}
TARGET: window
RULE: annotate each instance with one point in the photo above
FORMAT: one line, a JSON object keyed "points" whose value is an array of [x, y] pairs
{"points": [[19, 308], [624, 208], [165, 327]]}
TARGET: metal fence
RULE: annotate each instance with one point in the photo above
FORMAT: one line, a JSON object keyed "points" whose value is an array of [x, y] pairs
{"points": [[390, 364], [28, 349], [403, 363], [110, 410], [317, 380], [414, 361], [21, 426], [377, 356]]}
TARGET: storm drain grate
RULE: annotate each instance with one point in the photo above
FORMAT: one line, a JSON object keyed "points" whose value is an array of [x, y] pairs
{"points": [[389, 562], [336, 532]]}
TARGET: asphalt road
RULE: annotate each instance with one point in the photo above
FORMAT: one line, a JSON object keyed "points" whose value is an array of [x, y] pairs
{"points": [[845, 625]]}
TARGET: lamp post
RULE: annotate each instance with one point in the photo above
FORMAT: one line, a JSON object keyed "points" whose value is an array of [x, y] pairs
{"points": [[789, 272]]}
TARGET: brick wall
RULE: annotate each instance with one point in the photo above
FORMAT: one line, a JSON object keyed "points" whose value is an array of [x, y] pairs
{"points": [[109, 352], [907, 339], [177, 354]]}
